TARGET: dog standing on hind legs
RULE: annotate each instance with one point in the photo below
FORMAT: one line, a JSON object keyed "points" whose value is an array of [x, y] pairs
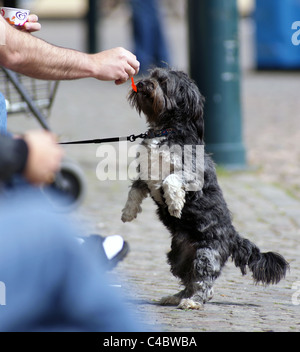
{"points": [[192, 209]]}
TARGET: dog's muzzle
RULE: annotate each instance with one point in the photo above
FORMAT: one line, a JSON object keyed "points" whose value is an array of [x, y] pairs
{"points": [[145, 87]]}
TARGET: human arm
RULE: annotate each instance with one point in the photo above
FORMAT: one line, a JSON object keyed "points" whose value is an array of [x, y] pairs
{"points": [[36, 58], [36, 155]]}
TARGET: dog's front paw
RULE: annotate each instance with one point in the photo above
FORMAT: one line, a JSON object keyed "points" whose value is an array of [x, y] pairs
{"points": [[175, 199], [127, 216], [175, 208], [130, 214], [175, 212]]}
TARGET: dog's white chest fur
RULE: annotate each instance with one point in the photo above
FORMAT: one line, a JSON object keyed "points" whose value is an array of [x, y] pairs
{"points": [[149, 166], [156, 173], [156, 163]]}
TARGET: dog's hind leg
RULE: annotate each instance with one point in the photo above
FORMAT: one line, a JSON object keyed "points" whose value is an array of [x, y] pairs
{"points": [[206, 267], [202, 292], [182, 259], [190, 298], [171, 300]]}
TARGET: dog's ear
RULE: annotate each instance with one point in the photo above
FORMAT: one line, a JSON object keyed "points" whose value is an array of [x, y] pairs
{"points": [[195, 107], [197, 116], [190, 101]]}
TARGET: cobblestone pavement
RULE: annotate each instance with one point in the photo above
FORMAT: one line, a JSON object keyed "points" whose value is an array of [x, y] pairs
{"points": [[264, 200]]}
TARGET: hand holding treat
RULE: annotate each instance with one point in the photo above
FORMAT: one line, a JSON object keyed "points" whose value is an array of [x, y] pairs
{"points": [[21, 18], [15, 17], [34, 57]]}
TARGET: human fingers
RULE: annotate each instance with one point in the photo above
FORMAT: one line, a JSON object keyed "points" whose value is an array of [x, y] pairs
{"points": [[131, 64], [134, 65], [120, 81], [33, 18], [129, 71], [32, 25], [55, 152]]}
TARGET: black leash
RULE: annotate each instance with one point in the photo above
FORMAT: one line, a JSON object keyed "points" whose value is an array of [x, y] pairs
{"points": [[130, 138]]}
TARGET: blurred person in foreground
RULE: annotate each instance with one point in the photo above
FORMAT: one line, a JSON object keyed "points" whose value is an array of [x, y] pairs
{"points": [[52, 282]]}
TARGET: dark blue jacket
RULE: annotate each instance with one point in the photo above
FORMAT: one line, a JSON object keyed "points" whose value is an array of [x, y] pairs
{"points": [[13, 156]]}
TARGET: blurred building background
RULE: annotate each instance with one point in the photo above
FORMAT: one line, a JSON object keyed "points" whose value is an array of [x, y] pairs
{"points": [[56, 8], [77, 8], [269, 98], [118, 13]]}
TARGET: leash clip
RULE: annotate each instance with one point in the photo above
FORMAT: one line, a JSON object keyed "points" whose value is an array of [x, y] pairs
{"points": [[133, 138]]}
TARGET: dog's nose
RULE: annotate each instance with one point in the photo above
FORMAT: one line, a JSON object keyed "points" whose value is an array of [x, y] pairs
{"points": [[145, 86], [140, 85]]}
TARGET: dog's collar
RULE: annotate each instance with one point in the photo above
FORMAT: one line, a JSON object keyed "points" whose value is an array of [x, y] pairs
{"points": [[160, 133]]}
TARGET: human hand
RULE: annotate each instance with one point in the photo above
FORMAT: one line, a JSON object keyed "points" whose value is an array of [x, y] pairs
{"points": [[32, 24], [44, 157], [116, 64]]}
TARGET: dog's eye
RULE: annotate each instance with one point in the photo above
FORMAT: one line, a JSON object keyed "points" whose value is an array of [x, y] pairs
{"points": [[146, 93], [163, 83], [182, 90], [148, 89]]}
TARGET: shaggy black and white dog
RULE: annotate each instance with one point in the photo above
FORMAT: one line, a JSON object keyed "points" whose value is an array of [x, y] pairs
{"points": [[191, 206]]}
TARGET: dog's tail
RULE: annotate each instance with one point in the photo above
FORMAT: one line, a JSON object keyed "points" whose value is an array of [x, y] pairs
{"points": [[267, 268]]}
